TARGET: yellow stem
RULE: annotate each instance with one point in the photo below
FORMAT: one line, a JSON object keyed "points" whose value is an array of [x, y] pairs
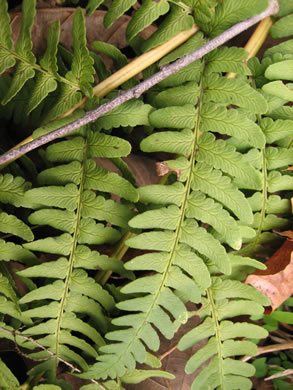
{"points": [[136, 66]]}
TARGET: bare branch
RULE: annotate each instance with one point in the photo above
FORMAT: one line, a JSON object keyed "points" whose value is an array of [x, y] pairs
{"points": [[139, 89]]}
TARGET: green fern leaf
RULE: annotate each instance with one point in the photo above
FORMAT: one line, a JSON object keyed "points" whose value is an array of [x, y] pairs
{"points": [[61, 175], [111, 51], [280, 70], [213, 183], [103, 145], [184, 259], [64, 197], [240, 261], [54, 269], [49, 59], [12, 309], [227, 59], [176, 21], [98, 178], [53, 291], [278, 157], [117, 9], [7, 60], [7, 380], [283, 48], [11, 251], [12, 189], [66, 151], [105, 210], [278, 88], [193, 43], [234, 289], [178, 96], [140, 375], [60, 245], [168, 141], [6, 289], [23, 48], [161, 194], [283, 27], [66, 97], [12, 224], [174, 117], [278, 182], [270, 222], [145, 16], [231, 330], [43, 86], [45, 83], [24, 43], [130, 113], [203, 242], [228, 13], [92, 6], [69, 321], [94, 233], [221, 155], [92, 260], [63, 220], [164, 218], [67, 338], [275, 130], [231, 122], [277, 205], [54, 125], [208, 211], [233, 91], [188, 73], [153, 241], [82, 69], [23, 73]]}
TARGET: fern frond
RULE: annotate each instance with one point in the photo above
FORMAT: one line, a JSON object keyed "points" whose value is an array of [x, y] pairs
{"points": [[219, 305], [67, 202]]}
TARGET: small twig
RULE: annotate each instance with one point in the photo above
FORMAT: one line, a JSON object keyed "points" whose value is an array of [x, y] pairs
{"points": [[171, 350], [270, 348], [74, 369], [139, 89]]}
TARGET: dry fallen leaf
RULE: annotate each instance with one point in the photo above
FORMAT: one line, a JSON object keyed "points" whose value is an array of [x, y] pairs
{"points": [[276, 281]]}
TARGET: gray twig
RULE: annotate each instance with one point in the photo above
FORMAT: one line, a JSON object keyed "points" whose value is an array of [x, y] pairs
{"points": [[139, 89]]}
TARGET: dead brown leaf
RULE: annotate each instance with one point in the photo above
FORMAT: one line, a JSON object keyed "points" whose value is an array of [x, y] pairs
{"points": [[276, 281]]}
